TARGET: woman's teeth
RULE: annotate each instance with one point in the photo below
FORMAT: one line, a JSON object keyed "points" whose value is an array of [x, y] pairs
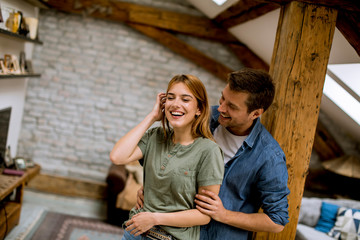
{"points": [[177, 113]]}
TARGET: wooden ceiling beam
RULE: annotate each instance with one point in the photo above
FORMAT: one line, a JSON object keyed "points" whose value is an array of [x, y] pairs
{"points": [[133, 13], [348, 24], [175, 44], [247, 57], [325, 144], [347, 5], [243, 11]]}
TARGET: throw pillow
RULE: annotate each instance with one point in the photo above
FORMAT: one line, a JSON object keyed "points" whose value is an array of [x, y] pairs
{"points": [[346, 225], [327, 217]]}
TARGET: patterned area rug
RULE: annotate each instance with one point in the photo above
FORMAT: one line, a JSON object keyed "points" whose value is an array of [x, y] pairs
{"points": [[57, 226]]}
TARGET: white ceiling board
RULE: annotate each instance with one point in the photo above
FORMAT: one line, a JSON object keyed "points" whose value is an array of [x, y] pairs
{"points": [[211, 9], [259, 34], [342, 51]]}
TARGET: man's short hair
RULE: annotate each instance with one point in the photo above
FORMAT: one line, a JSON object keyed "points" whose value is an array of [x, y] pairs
{"points": [[257, 83]]}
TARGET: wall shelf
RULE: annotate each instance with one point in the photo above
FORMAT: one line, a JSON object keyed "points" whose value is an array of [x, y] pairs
{"points": [[9, 34], [29, 75]]}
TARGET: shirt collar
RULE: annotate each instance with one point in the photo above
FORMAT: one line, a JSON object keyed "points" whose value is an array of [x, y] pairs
{"points": [[250, 140]]}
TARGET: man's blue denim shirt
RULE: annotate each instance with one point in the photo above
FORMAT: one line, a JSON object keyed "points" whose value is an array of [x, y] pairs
{"points": [[255, 177]]}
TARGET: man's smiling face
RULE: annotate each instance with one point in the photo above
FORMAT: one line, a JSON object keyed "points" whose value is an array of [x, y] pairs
{"points": [[234, 114]]}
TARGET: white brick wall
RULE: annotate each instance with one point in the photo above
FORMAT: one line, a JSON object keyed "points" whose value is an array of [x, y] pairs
{"points": [[99, 79]]}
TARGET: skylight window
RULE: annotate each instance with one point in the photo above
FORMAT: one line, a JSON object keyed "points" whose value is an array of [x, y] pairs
{"points": [[219, 2], [349, 74], [342, 87]]}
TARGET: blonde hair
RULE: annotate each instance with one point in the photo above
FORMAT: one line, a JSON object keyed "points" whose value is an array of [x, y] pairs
{"points": [[201, 125]]}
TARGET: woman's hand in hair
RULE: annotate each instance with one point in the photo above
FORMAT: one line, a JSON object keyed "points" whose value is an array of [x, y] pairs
{"points": [[158, 109]]}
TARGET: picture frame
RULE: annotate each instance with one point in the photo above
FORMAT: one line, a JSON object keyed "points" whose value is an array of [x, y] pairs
{"points": [[28, 66], [15, 64], [3, 68], [11, 64], [29, 163]]}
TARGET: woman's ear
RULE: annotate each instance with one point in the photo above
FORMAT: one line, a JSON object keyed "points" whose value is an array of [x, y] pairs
{"points": [[198, 112]]}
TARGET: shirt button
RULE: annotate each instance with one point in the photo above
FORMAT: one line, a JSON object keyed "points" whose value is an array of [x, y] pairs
{"points": [[162, 167]]}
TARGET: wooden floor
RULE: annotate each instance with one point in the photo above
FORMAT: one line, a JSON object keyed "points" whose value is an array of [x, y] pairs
{"points": [[35, 203]]}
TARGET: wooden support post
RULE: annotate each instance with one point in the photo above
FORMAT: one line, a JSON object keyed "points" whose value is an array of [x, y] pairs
{"points": [[298, 66]]}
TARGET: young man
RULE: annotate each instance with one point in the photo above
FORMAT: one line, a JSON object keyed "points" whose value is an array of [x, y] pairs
{"points": [[255, 166]]}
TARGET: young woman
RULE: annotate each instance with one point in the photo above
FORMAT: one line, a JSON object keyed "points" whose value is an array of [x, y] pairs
{"points": [[179, 160]]}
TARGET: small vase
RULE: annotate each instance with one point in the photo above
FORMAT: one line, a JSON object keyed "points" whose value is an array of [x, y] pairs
{"points": [[32, 25]]}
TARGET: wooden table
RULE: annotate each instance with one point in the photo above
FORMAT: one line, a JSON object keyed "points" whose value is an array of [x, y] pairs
{"points": [[11, 194]]}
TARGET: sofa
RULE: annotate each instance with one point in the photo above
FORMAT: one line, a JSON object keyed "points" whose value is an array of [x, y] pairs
{"points": [[325, 218], [123, 182], [116, 180]]}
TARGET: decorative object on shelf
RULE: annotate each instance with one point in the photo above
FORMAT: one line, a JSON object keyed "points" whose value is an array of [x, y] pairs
{"points": [[9, 162], [11, 63], [22, 62], [20, 163], [1, 17], [13, 21], [23, 29], [29, 162], [16, 64], [3, 68], [23, 163], [28, 67], [32, 26]]}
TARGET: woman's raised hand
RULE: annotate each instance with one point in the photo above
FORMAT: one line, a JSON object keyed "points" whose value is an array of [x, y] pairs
{"points": [[158, 109]]}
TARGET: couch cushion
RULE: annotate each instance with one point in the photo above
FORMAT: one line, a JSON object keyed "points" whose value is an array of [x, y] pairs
{"points": [[310, 211], [304, 232], [347, 224], [327, 217]]}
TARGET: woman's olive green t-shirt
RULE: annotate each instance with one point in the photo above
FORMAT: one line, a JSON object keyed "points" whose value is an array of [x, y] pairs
{"points": [[173, 173]]}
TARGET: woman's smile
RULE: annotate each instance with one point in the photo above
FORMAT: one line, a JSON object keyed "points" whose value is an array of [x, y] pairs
{"points": [[180, 106]]}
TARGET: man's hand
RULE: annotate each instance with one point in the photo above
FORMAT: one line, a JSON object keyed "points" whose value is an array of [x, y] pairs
{"points": [[140, 223], [210, 204], [140, 198]]}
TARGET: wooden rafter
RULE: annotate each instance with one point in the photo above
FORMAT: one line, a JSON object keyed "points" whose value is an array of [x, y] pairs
{"points": [[347, 5], [243, 11], [348, 24], [247, 57], [133, 13], [325, 144]]}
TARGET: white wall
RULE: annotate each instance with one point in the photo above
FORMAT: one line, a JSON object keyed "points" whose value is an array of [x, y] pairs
{"points": [[12, 94], [13, 90]]}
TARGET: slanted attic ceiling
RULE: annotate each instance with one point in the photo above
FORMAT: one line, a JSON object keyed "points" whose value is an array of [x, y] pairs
{"points": [[254, 23], [250, 25], [247, 27]]}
